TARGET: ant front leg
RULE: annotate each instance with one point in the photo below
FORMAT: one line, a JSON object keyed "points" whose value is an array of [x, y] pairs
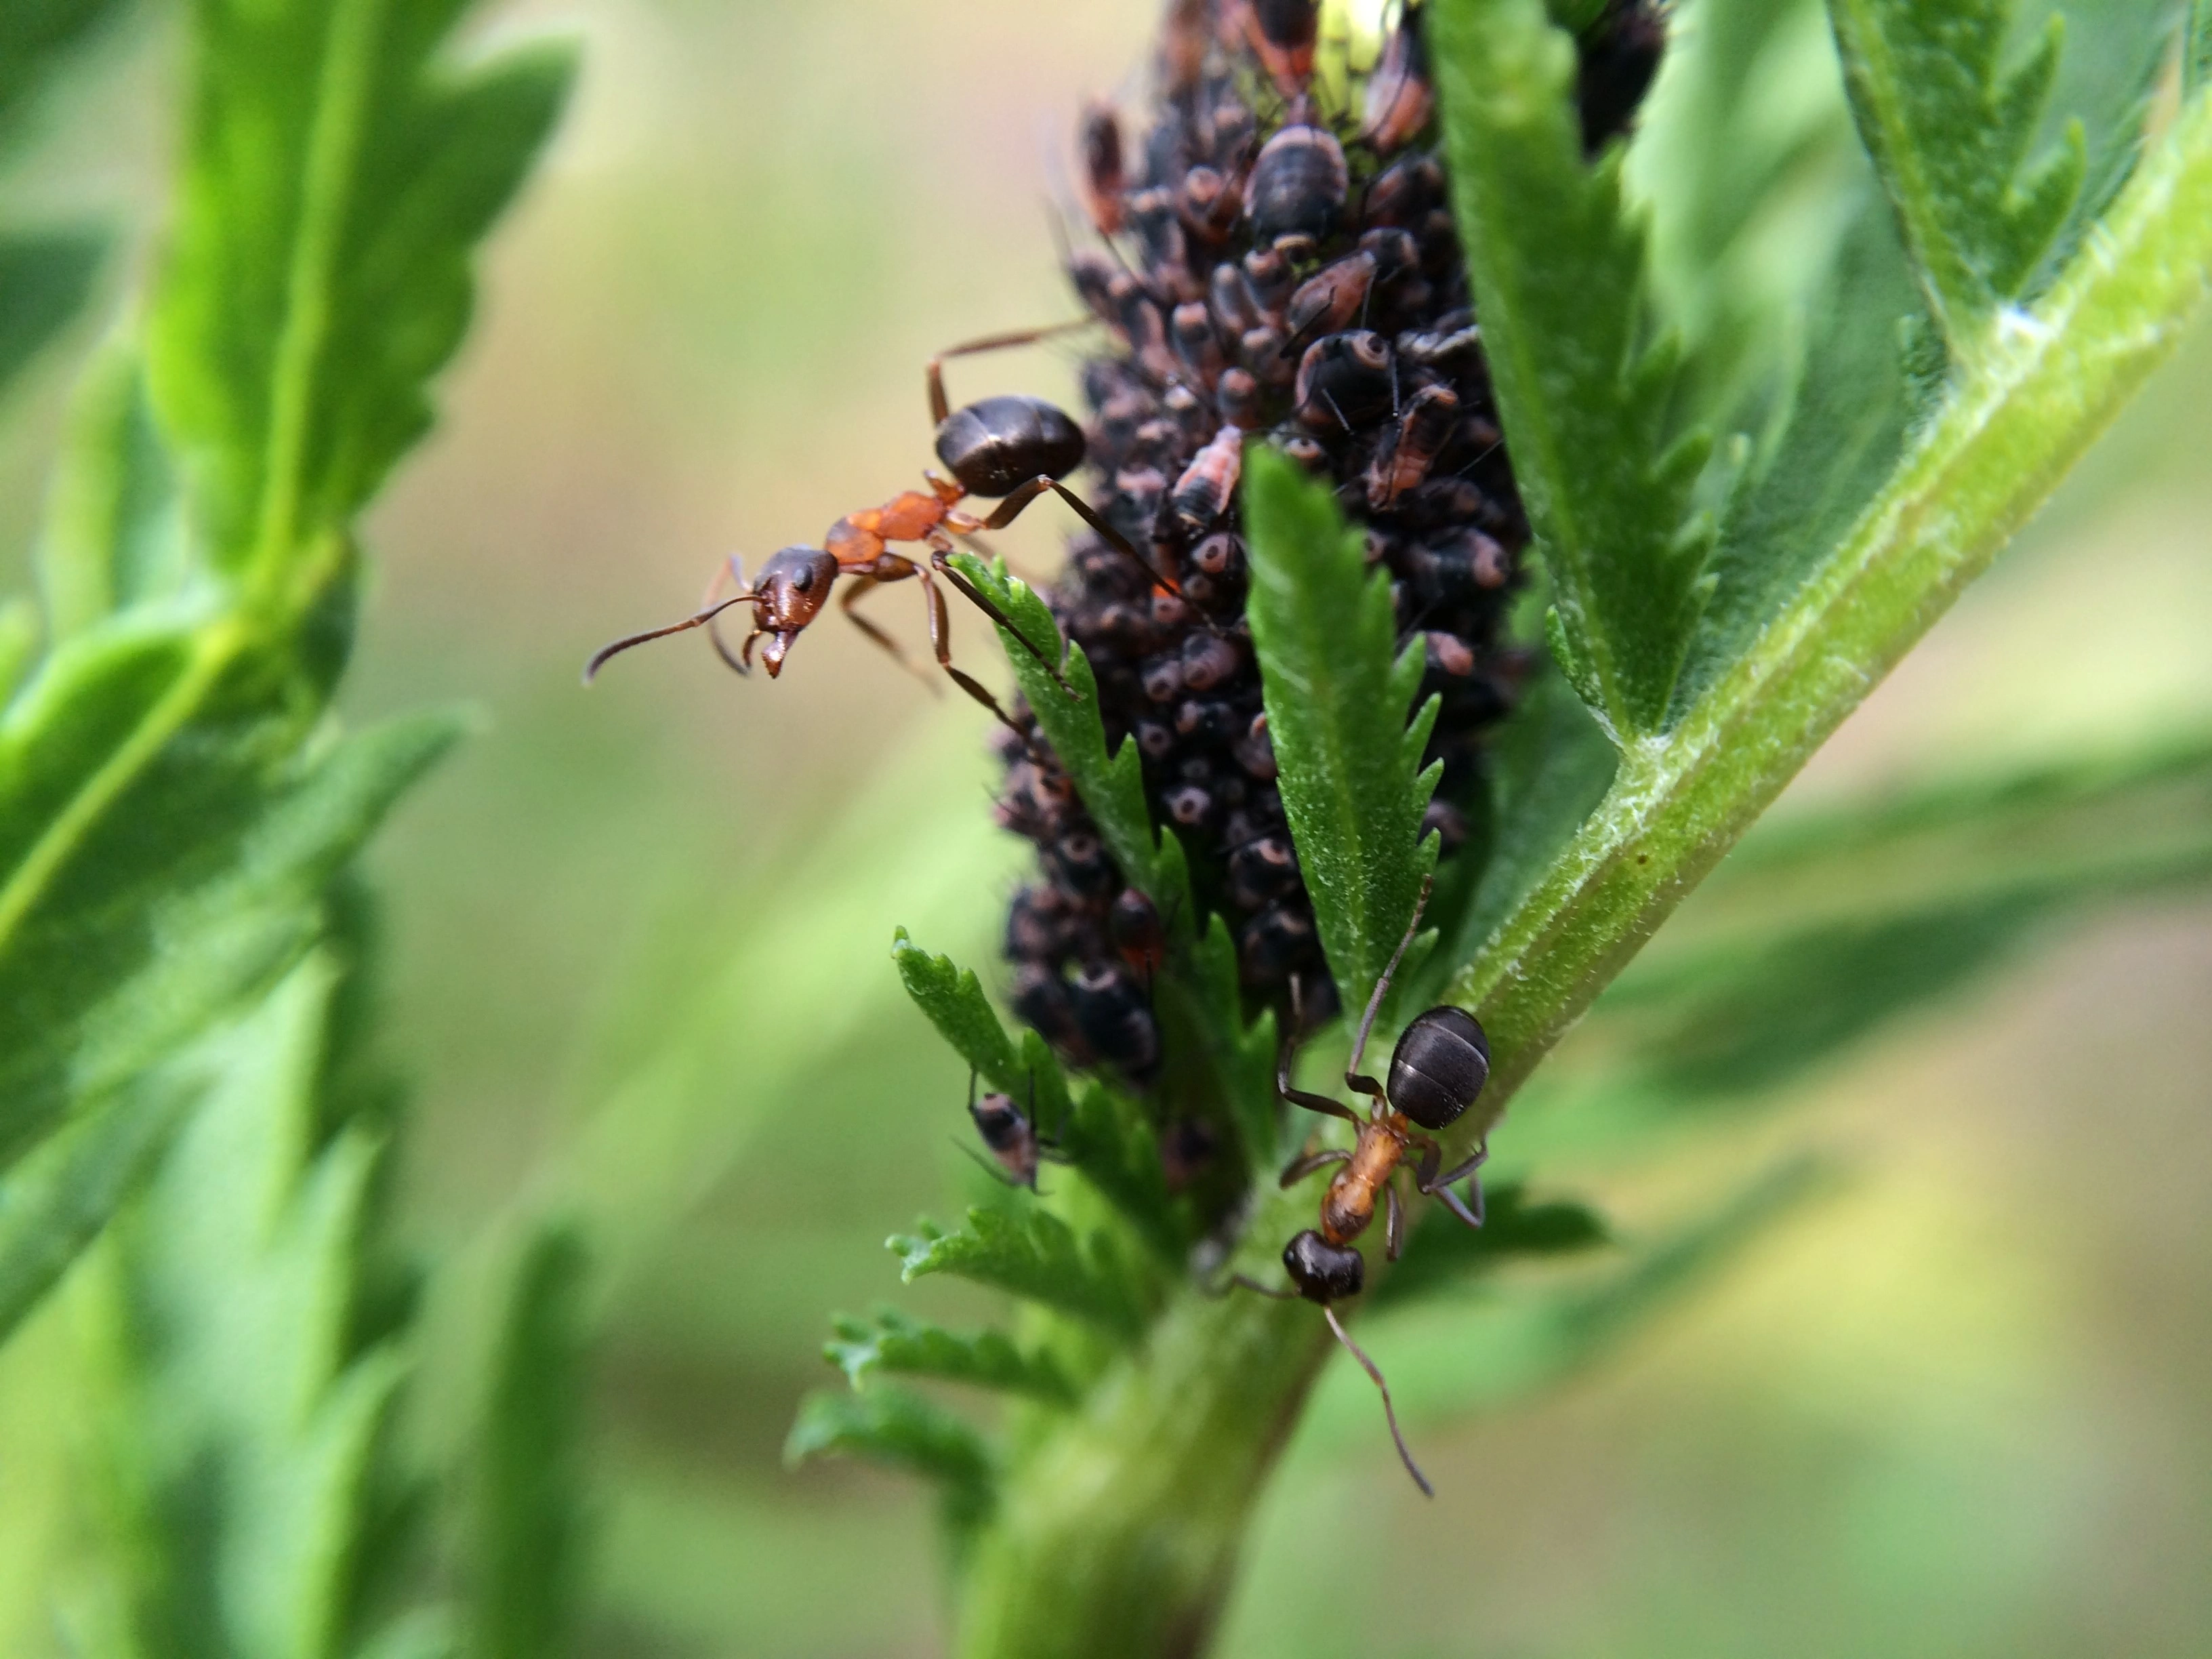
{"points": [[1011, 508], [865, 582], [1429, 1183], [940, 561]]}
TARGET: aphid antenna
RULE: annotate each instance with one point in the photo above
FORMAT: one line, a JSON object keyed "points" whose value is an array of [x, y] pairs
{"points": [[992, 1170]]}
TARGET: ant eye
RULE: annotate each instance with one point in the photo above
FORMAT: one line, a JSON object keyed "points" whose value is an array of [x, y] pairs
{"points": [[803, 582]]}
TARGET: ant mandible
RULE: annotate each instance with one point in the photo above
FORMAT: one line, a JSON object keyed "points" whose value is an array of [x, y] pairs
{"points": [[1437, 1070], [1009, 446]]}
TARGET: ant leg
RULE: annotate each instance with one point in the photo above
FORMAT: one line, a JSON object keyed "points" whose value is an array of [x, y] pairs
{"points": [[738, 663], [1245, 1281], [854, 594], [940, 409], [989, 607], [698, 619], [1394, 1223], [1389, 1412], [1428, 1182], [941, 629], [1011, 508], [1283, 1052], [1367, 1086], [1299, 1168]]}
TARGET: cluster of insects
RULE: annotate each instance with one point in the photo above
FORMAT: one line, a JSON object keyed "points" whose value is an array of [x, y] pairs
{"points": [[1270, 260]]}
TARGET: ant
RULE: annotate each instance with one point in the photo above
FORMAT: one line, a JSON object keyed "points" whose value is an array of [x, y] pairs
{"points": [[1010, 446], [1011, 1136], [1437, 1070]]}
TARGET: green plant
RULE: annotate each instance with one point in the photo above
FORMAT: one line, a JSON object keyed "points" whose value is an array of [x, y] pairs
{"points": [[1741, 529], [183, 950]]}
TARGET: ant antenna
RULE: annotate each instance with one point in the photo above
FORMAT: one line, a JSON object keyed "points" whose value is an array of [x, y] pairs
{"points": [[1389, 1412], [699, 619]]}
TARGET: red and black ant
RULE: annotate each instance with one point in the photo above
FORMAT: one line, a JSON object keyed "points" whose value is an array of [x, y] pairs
{"points": [[1437, 1070], [1009, 446]]}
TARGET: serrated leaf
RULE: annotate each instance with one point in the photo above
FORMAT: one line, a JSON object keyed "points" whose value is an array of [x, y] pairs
{"points": [[168, 933], [1033, 1254], [1340, 696], [114, 532], [44, 280], [1558, 272], [54, 1203], [235, 1363], [893, 1425], [527, 1555], [1196, 996], [988, 1359], [1443, 1252], [1950, 127], [1103, 1133], [337, 175]]}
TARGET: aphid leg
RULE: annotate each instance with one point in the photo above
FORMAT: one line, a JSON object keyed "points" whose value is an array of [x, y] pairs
{"points": [[698, 619], [1389, 1412], [1368, 1086], [993, 1170], [1429, 1183], [1299, 1168], [861, 586], [1394, 1222], [1011, 508], [940, 409]]}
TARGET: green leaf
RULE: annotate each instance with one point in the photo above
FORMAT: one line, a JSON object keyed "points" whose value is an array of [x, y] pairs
{"points": [[1447, 1359], [527, 1557], [44, 280], [892, 1425], [1036, 1254], [988, 1359], [245, 1412], [1339, 697], [336, 177], [2196, 49], [1104, 1134], [1196, 996], [1558, 271], [34, 36], [1443, 1252], [2003, 437], [202, 897], [54, 1203], [115, 534], [1950, 130]]}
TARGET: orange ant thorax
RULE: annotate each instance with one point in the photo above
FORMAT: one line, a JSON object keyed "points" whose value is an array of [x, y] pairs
{"points": [[1349, 1204]]}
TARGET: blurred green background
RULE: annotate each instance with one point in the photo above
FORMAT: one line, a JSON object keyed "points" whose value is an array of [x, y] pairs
{"points": [[638, 961]]}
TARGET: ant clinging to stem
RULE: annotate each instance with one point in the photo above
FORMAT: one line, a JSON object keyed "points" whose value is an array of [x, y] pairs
{"points": [[1437, 1070], [1010, 448]]}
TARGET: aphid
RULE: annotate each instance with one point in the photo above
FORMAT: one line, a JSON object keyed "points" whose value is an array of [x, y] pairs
{"points": [[1282, 33], [1116, 1018], [1438, 1067], [1344, 381], [1399, 98], [1010, 1135], [1008, 446], [1328, 300], [1208, 484], [1134, 925], [1403, 460], [1103, 180], [1299, 185]]}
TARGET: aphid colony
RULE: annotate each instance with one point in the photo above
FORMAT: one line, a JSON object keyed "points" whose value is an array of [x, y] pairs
{"points": [[1268, 268]]}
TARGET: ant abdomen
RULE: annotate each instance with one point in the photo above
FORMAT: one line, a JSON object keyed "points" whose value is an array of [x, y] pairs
{"points": [[994, 446], [1439, 1067]]}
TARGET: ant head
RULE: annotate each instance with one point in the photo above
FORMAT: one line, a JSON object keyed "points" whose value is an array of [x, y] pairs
{"points": [[1323, 1271], [789, 593]]}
